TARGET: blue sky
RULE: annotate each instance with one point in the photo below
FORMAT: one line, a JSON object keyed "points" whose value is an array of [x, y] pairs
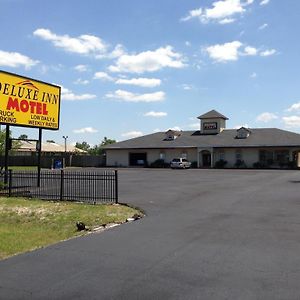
{"points": [[134, 67]]}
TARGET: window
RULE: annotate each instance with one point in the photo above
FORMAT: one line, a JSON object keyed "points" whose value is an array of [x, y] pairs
{"points": [[221, 155], [162, 155], [282, 156], [238, 155], [265, 155], [243, 133]]}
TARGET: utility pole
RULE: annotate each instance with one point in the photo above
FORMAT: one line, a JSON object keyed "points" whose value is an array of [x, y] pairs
{"points": [[65, 137]]}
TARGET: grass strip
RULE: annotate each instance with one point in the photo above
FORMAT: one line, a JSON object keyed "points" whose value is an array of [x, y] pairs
{"points": [[27, 224]]}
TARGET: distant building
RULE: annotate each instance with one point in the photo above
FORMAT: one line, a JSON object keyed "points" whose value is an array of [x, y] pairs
{"points": [[211, 145], [48, 148]]}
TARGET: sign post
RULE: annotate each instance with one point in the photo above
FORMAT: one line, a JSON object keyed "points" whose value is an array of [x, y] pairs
{"points": [[39, 157], [6, 154]]}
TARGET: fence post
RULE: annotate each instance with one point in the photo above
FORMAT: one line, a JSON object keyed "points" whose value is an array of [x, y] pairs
{"points": [[61, 185], [116, 186], [9, 182]]}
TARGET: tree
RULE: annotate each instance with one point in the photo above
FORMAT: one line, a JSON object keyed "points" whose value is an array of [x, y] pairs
{"points": [[23, 137], [83, 146], [98, 149], [107, 141], [15, 144], [2, 141]]}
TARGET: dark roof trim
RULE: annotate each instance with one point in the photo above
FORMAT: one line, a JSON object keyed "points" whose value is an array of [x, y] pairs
{"points": [[255, 146]]}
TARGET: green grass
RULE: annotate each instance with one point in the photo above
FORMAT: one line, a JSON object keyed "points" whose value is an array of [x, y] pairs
{"points": [[23, 168], [29, 224]]}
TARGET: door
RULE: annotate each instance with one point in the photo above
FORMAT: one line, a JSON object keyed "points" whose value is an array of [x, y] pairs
{"points": [[137, 159], [206, 160]]}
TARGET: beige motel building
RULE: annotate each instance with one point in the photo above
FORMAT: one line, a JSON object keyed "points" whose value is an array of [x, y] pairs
{"points": [[212, 143]]}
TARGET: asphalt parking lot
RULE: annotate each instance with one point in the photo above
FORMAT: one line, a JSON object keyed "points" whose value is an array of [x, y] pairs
{"points": [[208, 234]]}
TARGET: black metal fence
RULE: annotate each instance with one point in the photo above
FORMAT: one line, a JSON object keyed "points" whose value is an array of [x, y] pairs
{"points": [[87, 186]]}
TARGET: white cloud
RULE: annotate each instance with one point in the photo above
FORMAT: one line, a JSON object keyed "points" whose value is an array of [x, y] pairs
{"points": [[226, 21], [148, 61], [132, 134], [264, 2], [225, 52], [240, 126], [250, 51], [187, 43], [68, 95], [143, 82], [103, 76], [175, 128], [118, 51], [294, 107], [268, 52], [221, 11], [233, 50], [194, 13], [85, 130], [195, 126], [81, 81], [156, 130], [263, 26], [15, 60], [187, 87], [155, 114], [132, 97], [266, 117], [292, 121], [253, 75], [83, 44], [81, 68]]}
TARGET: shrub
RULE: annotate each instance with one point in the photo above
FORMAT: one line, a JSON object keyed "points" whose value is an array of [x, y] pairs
{"points": [[240, 164], [2, 185], [283, 164], [194, 165], [159, 163], [258, 165], [292, 164], [220, 164]]}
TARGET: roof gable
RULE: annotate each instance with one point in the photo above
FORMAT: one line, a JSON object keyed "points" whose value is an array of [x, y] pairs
{"points": [[213, 114]]}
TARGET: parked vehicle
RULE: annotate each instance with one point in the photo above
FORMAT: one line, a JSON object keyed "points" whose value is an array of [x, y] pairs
{"points": [[180, 163]]}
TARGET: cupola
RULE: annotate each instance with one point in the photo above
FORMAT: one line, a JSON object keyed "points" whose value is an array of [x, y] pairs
{"points": [[212, 122]]}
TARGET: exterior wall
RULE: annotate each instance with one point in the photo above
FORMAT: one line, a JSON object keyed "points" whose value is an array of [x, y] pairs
{"points": [[248, 155], [120, 157], [117, 158], [191, 154]]}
